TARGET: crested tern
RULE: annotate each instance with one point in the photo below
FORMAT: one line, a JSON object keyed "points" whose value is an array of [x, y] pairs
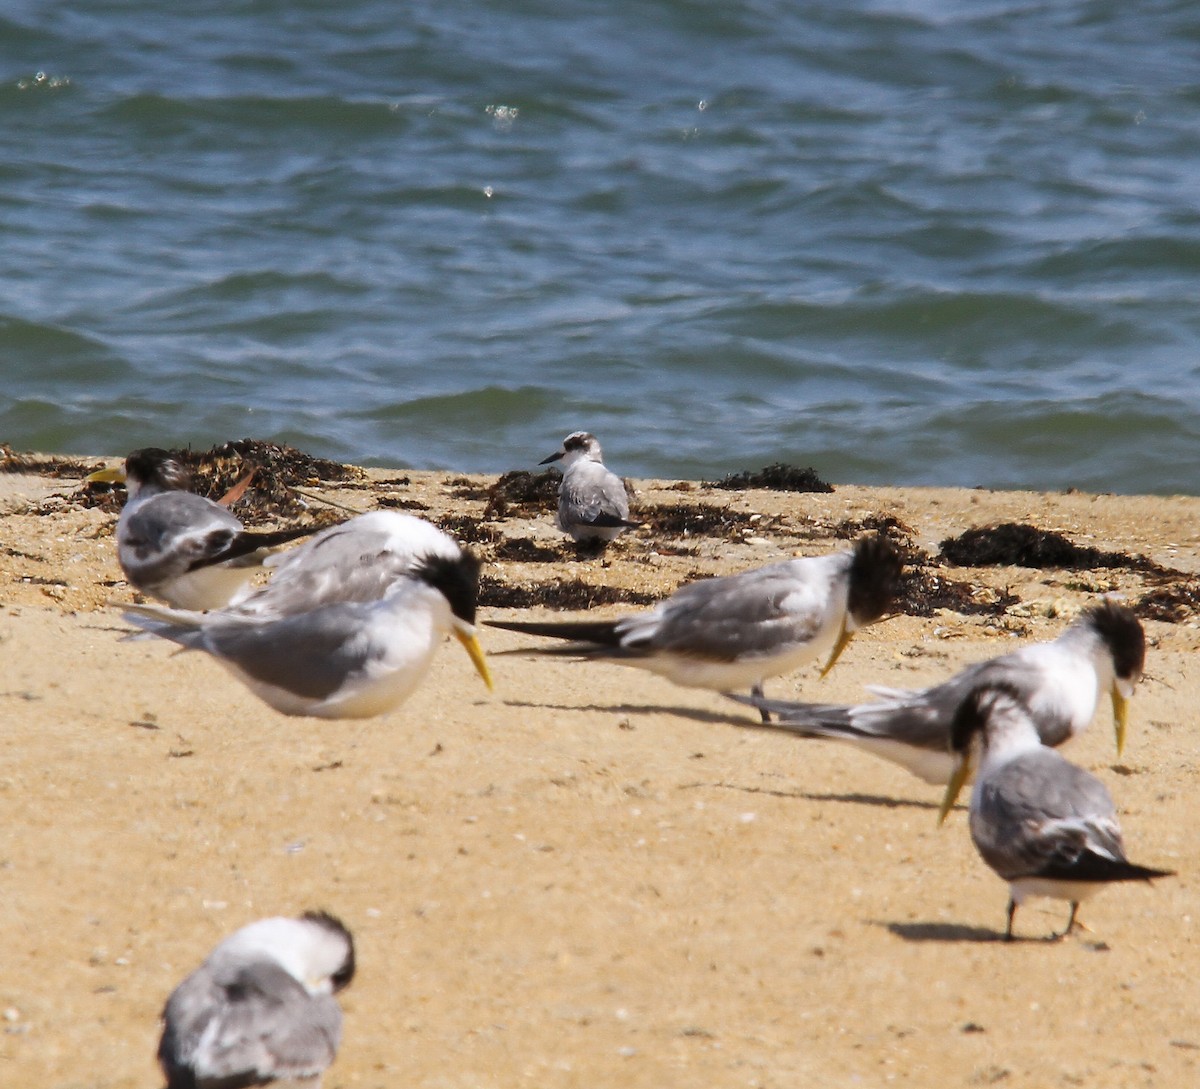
{"points": [[1042, 824], [350, 622], [1103, 650], [261, 1007], [178, 546], [592, 502], [735, 631]]}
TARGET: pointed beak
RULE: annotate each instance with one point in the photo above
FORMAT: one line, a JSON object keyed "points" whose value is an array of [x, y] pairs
{"points": [[552, 458], [954, 788], [1120, 705], [843, 639], [115, 475], [466, 636]]}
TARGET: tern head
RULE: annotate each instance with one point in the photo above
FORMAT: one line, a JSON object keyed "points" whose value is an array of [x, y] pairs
{"points": [[990, 714], [577, 446], [148, 468], [874, 581], [315, 949], [1121, 634], [456, 578]]}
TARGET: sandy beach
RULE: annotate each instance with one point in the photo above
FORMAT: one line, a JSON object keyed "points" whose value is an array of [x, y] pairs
{"points": [[589, 877]]}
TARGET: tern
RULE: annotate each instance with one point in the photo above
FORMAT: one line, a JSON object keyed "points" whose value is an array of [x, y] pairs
{"points": [[261, 1007], [592, 502], [1042, 824], [178, 546], [350, 622]]}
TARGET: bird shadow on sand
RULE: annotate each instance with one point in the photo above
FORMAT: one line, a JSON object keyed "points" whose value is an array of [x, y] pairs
{"points": [[848, 798], [942, 932], [693, 713]]}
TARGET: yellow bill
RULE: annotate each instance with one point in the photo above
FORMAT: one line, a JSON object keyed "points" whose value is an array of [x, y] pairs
{"points": [[115, 475], [1120, 704], [843, 640], [468, 640], [954, 788]]}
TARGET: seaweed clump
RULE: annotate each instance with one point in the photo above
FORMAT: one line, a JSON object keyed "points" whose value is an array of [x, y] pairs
{"points": [[924, 592], [1172, 604], [776, 477], [1024, 545], [700, 519], [559, 594], [521, 493], [12, 462], [275, 472]]}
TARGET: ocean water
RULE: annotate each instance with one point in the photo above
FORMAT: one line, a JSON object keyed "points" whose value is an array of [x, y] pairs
{"points": [[902, 242]]}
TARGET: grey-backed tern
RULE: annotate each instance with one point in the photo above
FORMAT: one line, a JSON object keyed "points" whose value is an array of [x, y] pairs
{"points": [[592, 502]]}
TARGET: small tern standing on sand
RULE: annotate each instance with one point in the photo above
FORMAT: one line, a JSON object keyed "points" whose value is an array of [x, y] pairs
{"points": [[261, 1008], [735, 631], [178, 546], [592, 502], [348, 625], [1103, 650], [1045, 826]]}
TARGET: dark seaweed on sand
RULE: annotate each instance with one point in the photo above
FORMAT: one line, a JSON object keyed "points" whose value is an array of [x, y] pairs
{"points": [[13, 462], [519, 493], [700, 519], [559, 594], [1173, 604], [923, 592], [1027, 546], [776, 477]]}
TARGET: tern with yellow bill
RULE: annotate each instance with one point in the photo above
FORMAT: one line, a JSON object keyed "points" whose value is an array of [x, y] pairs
{"points": [[1042, 824], [735, 631], [348, 625], [1060, 682]]}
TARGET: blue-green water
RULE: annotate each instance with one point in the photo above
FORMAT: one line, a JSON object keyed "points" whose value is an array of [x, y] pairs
{"points": [[910, 243]]}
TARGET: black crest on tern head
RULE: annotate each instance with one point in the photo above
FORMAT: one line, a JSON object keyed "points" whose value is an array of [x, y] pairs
{"points": [[342, 977], [971, 717], [874, 578], [456, 577], [1122, 634], [157, 468]]}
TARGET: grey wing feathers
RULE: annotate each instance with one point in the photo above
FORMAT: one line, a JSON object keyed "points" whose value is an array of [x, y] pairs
{"points": [[260, 1023], [173, 533], [738, 616], [593, 498], [1040, 812], [337, 566]]}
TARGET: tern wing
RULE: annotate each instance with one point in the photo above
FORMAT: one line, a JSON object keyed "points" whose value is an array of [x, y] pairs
{"points": [[259, 1022]]}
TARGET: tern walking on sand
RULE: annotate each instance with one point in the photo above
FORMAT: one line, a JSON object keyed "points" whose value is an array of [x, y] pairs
{"points": [[348, 625], [592, 502], [178, 546], [1042, 824], [735, 631], [261, 1008], [1060, 682]]}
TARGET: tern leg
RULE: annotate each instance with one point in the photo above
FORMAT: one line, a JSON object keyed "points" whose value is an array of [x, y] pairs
{"points": [[1012, 911], [756, 690], [1071, 921]]}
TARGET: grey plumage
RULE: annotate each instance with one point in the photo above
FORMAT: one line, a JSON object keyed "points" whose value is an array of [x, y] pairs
{"points": [[348, 625], [592, 502], [1060, 682], [734, 631], [261, 1007], [1042, 824], [179, 546]]}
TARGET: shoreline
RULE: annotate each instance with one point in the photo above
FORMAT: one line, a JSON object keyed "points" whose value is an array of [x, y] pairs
{"points": [[591, 877]]}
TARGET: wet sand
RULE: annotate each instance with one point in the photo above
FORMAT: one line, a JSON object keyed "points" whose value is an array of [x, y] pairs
{"points": [[590, 877]]}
